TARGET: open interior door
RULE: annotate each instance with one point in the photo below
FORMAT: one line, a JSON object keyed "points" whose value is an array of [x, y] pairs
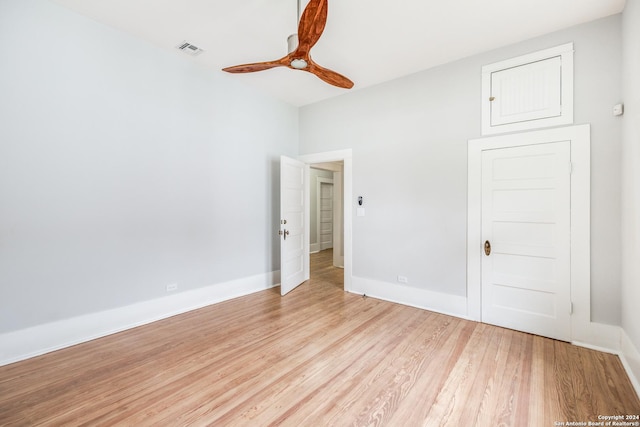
{"points": [[294, 261]]}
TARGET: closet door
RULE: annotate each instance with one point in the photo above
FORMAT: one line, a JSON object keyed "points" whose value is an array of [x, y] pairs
{"points": [[526, 230]]}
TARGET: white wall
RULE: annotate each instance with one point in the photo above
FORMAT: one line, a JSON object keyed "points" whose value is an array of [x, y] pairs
{"points": [[409, 140], [124, 168], [631, 183]]}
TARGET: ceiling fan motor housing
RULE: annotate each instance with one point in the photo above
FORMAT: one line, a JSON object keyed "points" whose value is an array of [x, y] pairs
{"points": [[292, 45]]}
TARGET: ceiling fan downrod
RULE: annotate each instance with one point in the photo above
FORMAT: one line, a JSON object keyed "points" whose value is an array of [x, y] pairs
{"points": [[292, 40]]}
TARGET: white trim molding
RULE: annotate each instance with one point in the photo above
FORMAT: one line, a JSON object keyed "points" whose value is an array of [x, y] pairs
{"points": [[37, 340], [346, 157], [630, 357], [452, 305], [582, 329]]}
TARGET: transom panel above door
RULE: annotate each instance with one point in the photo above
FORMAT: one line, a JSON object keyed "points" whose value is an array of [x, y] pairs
{"points": [[529, 91]]}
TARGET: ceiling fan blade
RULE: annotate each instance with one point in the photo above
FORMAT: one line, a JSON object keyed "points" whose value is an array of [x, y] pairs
{"points": [[257, 66], [329, 76], [311, 26]]}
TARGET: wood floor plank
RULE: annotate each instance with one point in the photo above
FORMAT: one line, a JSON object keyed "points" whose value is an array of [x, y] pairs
{"points": [[539, 407], [316, 357], [452, 397], [286, 382], [484, 397], [441, 353], [388, 386]]}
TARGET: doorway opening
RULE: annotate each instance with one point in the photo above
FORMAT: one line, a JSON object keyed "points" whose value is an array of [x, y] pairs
{"points": [[326, 220], [338, 259]]}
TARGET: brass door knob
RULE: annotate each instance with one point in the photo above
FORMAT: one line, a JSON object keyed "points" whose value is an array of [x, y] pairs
{"points": [[487, 248]]}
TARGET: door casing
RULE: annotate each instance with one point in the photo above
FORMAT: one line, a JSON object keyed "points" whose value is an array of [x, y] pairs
{"points": [[579, 138], [335, 156]]}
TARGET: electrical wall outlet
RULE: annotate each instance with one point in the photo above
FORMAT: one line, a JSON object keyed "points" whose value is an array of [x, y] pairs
{"points": [[403, 279], [172, 287]]}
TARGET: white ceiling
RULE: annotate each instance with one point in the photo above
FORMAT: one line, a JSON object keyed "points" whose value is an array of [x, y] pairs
{"points": [[369, 41]]}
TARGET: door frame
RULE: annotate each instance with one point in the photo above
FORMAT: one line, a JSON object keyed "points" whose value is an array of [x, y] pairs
{"points": [[335, 156], [579, 137]]}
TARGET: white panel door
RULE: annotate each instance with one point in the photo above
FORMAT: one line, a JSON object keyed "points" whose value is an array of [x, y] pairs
{"points": [[526, 226], [338, 220], [326, 216], [528, 92], [293, 257]]}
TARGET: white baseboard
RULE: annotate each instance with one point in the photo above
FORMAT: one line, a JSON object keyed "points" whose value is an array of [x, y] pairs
{"points": [[598, 336], [452, 305], [41, 339], [314, 248], [630, 357]]}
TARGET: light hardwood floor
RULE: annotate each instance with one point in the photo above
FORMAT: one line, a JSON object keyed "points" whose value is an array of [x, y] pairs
{"points": [[317, 357]]}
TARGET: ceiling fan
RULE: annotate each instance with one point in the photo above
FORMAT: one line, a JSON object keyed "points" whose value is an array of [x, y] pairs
{"points": [[310, 28]]}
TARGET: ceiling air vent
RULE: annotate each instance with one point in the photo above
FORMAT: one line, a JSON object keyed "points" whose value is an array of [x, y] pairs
{"points": [[189, 48]]}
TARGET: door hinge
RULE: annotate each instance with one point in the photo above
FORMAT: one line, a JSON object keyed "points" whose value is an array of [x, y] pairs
{"points": [[571, 308]]}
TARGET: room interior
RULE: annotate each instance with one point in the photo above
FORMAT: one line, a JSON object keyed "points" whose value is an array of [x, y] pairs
{"points": [[138, 182]]}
